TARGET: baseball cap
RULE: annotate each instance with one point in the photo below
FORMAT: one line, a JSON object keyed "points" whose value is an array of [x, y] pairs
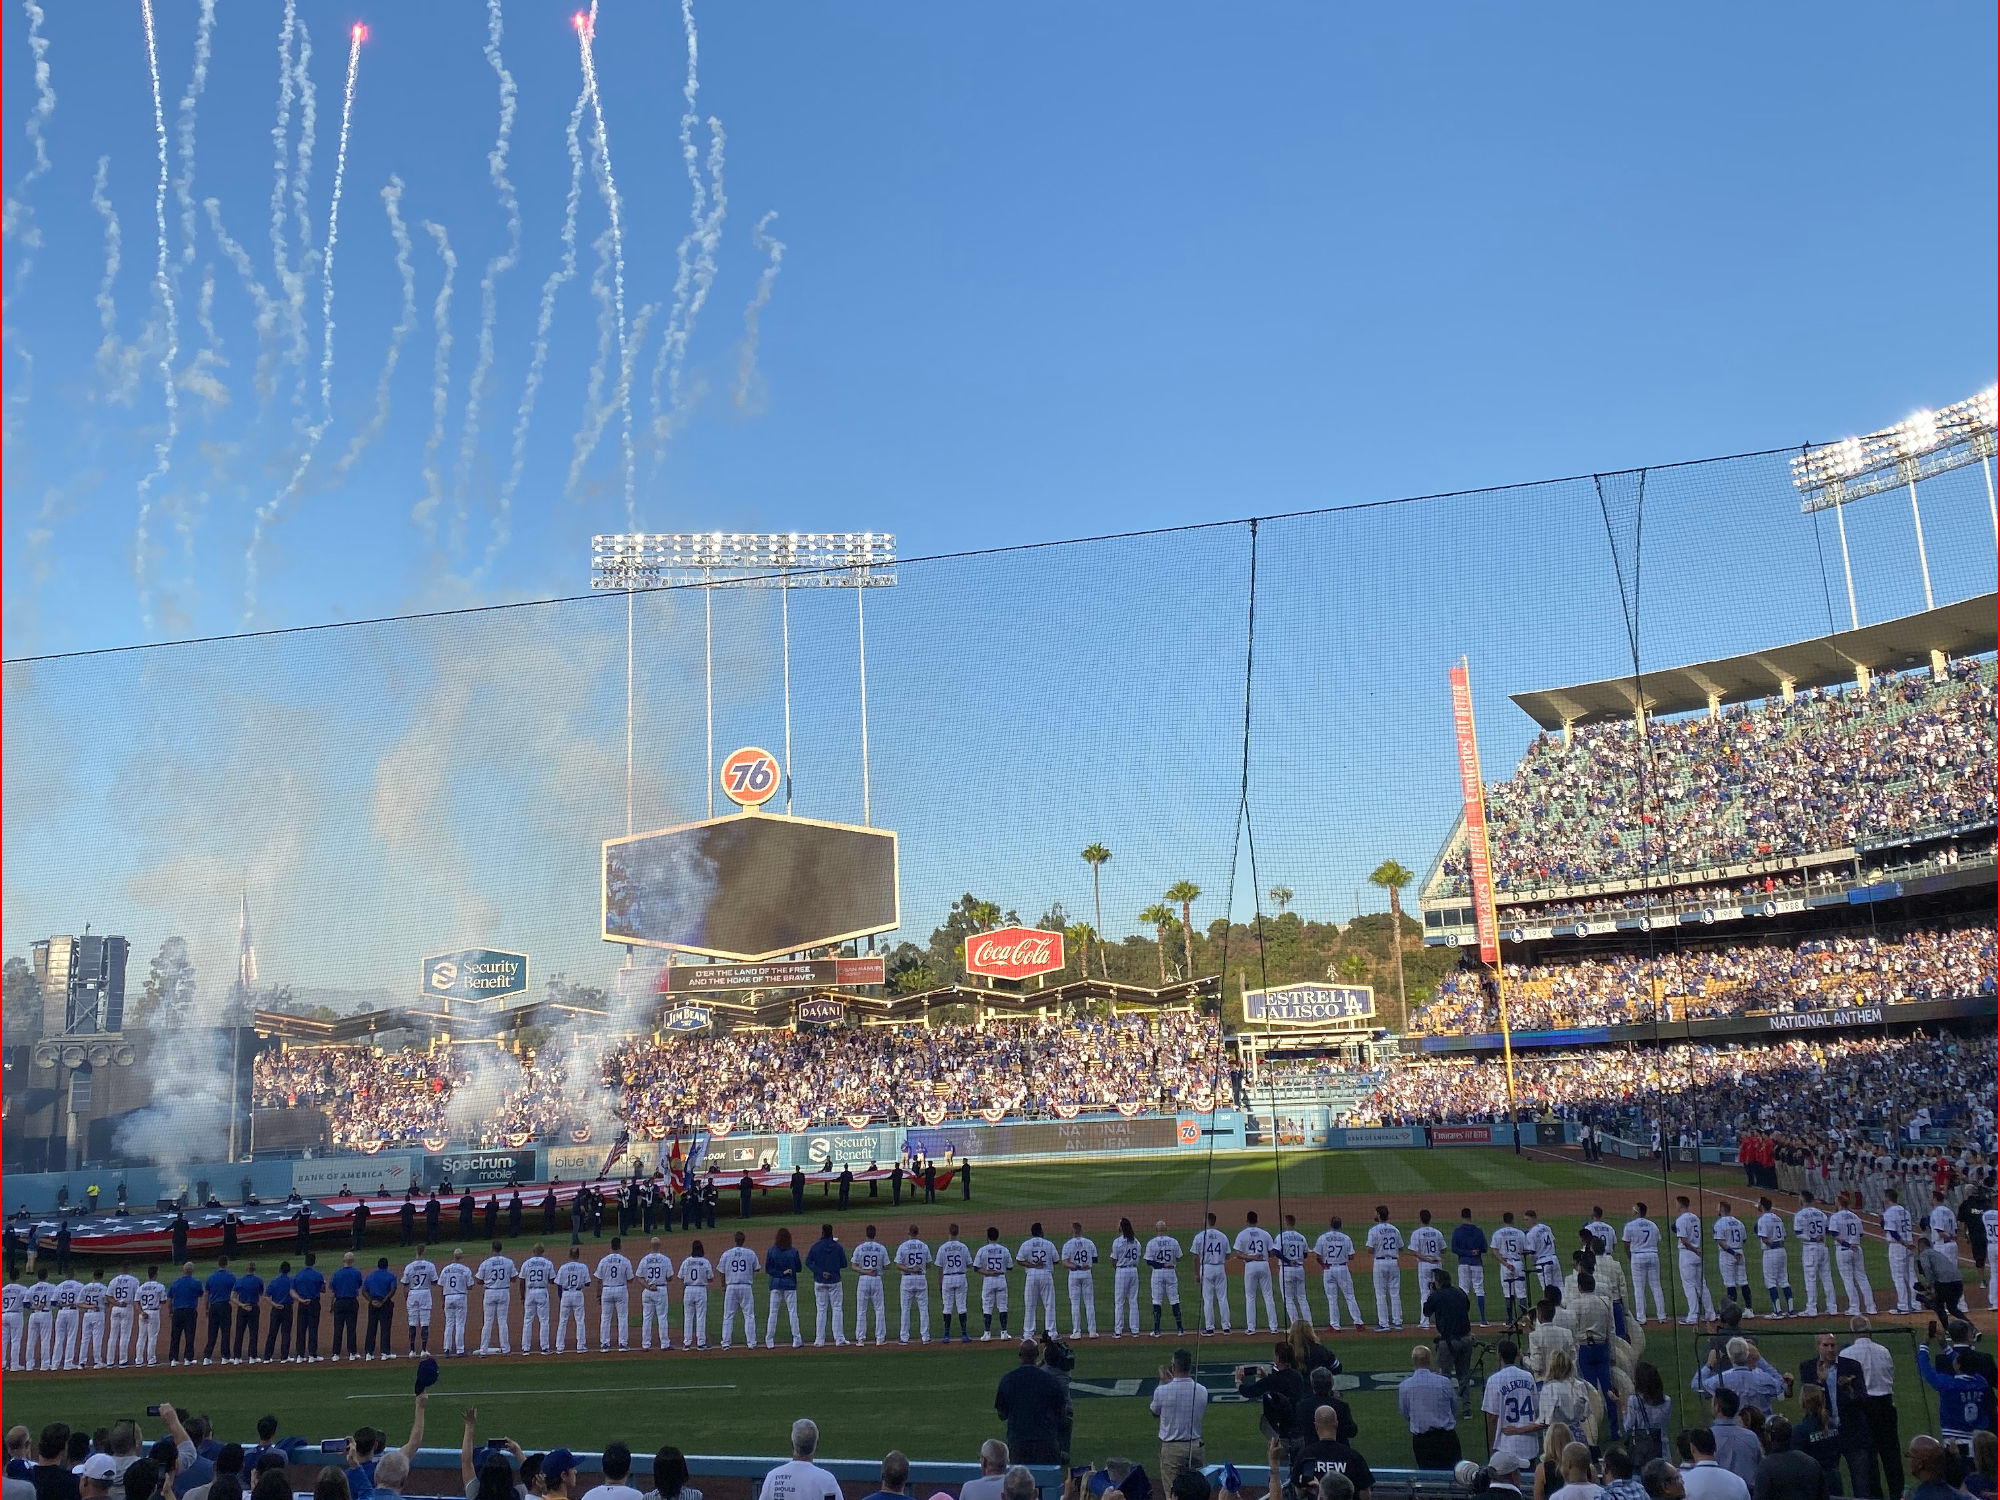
{"points": [[556, 1463], [1504, 1462], [100, 1467], [427, 1374]]}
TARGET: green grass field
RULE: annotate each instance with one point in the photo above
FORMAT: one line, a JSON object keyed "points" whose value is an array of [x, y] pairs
{"points": [[936, 1402]]}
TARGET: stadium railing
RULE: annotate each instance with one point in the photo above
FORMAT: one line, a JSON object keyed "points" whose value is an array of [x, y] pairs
{"points": [[721, 1476]]}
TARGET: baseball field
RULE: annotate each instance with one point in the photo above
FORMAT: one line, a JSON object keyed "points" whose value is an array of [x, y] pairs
{"points": [[937, 1401]]}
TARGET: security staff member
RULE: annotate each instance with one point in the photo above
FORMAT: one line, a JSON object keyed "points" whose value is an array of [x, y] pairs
{"points": [[379, 1287], [345, 1284], [184, 1300], [307, 1288]]}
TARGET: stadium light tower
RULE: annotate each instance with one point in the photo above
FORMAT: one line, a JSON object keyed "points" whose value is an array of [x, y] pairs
{"points": [[1925, 445], [709, 560]]}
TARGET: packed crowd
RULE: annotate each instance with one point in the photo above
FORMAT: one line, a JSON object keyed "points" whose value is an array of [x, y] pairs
{"points": [[1824, 973], [1913, 754], [769, 1080], [1829, 1090]]}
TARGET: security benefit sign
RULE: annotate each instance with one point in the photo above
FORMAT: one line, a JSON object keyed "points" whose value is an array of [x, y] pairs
{"points": [[475, 974], [1310, 1004]]}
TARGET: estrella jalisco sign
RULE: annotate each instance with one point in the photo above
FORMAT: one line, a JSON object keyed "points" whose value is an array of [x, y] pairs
{"points": [[475, 974], [1309, 1004]]}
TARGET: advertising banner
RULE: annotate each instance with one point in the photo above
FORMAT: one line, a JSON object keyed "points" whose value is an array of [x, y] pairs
{"points": [[845, 1148], [1826, 1020], [1014, 953], [478, 1169], [1478, 856], [688, 1018], [1309, 1004], [1370, 1137], [695, 979], [739, 1153], [475, 974], [330, 1176], [821, 1012], [1461, 1135], [581, 1163], [1039, 1137]]}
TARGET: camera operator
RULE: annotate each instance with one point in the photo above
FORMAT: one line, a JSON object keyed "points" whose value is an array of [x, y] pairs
{"points": [[1280, 1388], [1937, 1269]]}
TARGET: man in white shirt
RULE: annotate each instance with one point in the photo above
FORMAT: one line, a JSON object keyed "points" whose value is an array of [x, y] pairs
{"points": [[1642, 1253], [1730, 1261], [913, 1259], [992, 1262], [1292, 1250], [1163, 1255], [1509, 1404], [496, 1274], [954, 1263], [1385, 1249], [1079, 1254], [655, 1274], [1334, 1250], [697, 1271], [1253, 1247], [617, 1462], [989, 1485], [1898, 1229], [1776, 1267], [1037, 1257], [456, 1278], [801, 1478], [1180, 1402], [1706, 1479], [870, 1259], [614, 1297], [1126, 1253], [738, 1266], [1844, 1227], [1427, 1245], [1210, 1249], [572, 1281], [1694, 1278], [1809, 1224]]}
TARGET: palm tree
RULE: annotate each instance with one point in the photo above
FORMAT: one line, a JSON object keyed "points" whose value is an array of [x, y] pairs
{"points": [[1353, 967], [1392, 877], [1282, 894], [1095, 856], [1184, 894], [1159, 917], [1079, 935]]}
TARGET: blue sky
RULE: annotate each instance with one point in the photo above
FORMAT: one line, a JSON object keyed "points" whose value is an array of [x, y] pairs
{"points": [[1046, 273]]}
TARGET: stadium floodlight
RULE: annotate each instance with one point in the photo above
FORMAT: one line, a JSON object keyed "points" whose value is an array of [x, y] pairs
{"points": [[629, 562], [1922, 446]]}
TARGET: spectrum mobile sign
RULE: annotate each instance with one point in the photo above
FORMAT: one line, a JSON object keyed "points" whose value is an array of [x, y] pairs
{"points": [[475, 974]]}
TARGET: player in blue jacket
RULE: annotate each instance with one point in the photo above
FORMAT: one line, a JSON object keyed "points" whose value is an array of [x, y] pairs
{"points": [[826, 1260], [782, 1265], [1965, 1402], [1468, 1243]]}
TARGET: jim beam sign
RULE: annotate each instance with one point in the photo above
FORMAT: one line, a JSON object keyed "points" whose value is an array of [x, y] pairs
{"points": [[1014, 953]]}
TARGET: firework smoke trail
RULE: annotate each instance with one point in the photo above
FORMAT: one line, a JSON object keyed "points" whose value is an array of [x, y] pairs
{"points": [[197, 82], [440, 382], [269, 514], [290, 282], [308, 140], [163, 289], [746, 356], [392, 204], [16, 217], [564, 271], [117, 361], [200, 377], [607, 187], [266, 319], [595, 411], [499, 265]]}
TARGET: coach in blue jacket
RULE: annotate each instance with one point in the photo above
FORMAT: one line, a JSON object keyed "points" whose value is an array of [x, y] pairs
{"points": [[184, 1298], [248, 1295], [307, 1288], [1468, 1243], [826, 1260], [218, 1288]]}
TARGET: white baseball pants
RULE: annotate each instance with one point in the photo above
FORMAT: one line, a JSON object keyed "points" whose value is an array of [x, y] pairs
{"points": [[738, 1304], [656, 1308], [90, 1344], [1697, 1302], [1338, 1282], [1214, 1298], [454, 1325], [493, 1312], [1082, 1305], [1257, 1283], [789, 1301], [993, 1295], [916, 1292], [67, 1326], [1040, 1290], [1388, 1296], [1854, 1277], [1813, 1261], [1903, 1272], [614, 1311], [868, 1298], [694, 1318], [41, 1340], [951, 1294], [1124, 1301], [829, 1301], [121, 1336], [1428, 1278], [13, 1327], [534, 1311], [148, 1352], [1646, 1278], [1292, 1288], [1166, 1289]]}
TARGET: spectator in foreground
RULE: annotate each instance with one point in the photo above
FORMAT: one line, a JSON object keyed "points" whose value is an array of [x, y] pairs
{"points": [[1930, 1466], [1578, 1481], [1786, 1472], [1620, 1483], [1429, 1404], [895, 1476], [1180, 1402], [801, 1478], [51, 1476], [670, 1476], [617, 1465], [1736, 1446], [992, 1469], [1032, 1402], [1327, 1455], [1661, 1480], [1704, 1478]]}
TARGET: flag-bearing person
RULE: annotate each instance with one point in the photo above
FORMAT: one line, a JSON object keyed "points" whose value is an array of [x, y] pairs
{"points": [[1292, 1250], [1509, 1247], [913, 1259], [1843, 1226], [870, 1259], [1210, 1249], [1163, 1255], [496, 1275], [1809, 1224], [696, 1272], [1079, 1254], [1697, 1302], [1642, 1253], [1126, 1253], [954, 1263], [1253, 1247], [1730, 1261], [421, 1274], [782, 1265], [655, 1275], [1037, 1257], [826, 1260], [1385, 1250], [614, 1297], [1900, 1231], [738, 1267], [1427, 1245], [455, 1281], [1540, 1242], [1468, 1246], [1776, 1264], [1334, 1250], [992, 1262]]}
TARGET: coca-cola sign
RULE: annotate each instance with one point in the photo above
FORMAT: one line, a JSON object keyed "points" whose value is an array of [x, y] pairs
{"points": [[1014, 953]]}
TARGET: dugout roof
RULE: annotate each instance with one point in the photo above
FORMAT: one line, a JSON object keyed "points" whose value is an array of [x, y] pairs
{"points": [[1962, 629]]}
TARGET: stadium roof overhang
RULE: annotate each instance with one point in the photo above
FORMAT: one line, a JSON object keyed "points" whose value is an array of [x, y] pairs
{"points": [[290, 1028], [1966, 628]]}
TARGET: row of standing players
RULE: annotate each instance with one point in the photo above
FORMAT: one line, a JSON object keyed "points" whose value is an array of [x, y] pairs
{"points": [[64, 1326]]}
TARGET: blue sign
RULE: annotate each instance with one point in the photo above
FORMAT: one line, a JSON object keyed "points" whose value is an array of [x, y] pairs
{"points": [[1309, 1004], [475, 974], [688, 1018]]}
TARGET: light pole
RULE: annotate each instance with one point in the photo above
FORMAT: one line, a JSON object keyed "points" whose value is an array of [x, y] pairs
{"points": [[710, 560]]}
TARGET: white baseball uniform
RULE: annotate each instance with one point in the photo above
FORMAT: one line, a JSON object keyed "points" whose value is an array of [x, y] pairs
{"points": [[1210, 1249], [1845, 1227], [1509, 1247], [1698, 1302], [149, 1297], [496, 1274], [457, 1279], [1990, 1218], [655, 1273], [870, 1259], [1080, 1254], [1385, 1248], [913, 1259], [954, 1260], [1642, 1249], [1254, 1244], [992, 1261], [1163, 1254], [1777, 1272], [572, 1281], [1901, 1233], [1292, 1252], [1730, 1261], [93, 1300], [538, 1274], [1540, 1242], [1037, 1257], [697, 1271], [124, 1288], [419, 1276], [1335, 1250], [13, 1321], [738, 1267], [1126, 1252], [1809, 1224], [69, 1321], [41, 1338], [1427, 1244], [614, 1300]]}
